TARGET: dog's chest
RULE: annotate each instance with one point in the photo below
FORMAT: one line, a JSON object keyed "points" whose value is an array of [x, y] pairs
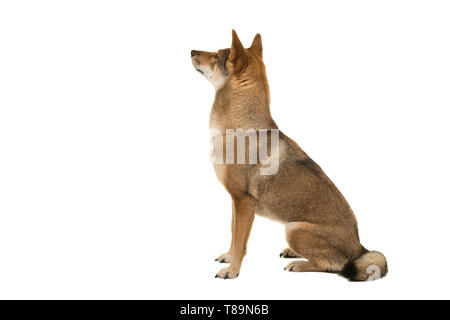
{"points": [[232, 176]]}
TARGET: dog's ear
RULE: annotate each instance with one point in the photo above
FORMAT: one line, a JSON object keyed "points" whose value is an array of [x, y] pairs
{"points": [[256, 47], [238, 56]]}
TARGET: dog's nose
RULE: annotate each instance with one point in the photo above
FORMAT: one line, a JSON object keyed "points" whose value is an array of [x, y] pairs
{"points": [[193, 53]]}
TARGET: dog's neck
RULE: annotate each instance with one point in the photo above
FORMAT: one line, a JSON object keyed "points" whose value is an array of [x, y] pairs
{"points": [[242, 103]]}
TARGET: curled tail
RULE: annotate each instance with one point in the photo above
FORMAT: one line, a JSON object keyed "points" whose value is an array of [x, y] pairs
{"points": [[371, 265]]}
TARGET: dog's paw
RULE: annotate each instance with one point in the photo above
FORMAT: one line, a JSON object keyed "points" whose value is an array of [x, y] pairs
{"points": [[289, 253], [224, 258], [290, 266], [301, 266], [227, 273]]}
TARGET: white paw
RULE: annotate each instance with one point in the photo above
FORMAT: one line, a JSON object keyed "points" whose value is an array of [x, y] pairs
{"points": [[224, 258], [289, 253], [227, 273]]}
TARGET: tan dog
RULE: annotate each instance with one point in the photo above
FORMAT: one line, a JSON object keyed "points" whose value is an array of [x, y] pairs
{"points": [[320, 225]]}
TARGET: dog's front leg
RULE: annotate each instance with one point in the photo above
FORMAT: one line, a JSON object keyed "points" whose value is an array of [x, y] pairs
{"points": [[244, 214], [226, 257]]}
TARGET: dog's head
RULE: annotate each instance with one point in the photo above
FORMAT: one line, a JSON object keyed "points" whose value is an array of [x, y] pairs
{"points": [[221, 66]]}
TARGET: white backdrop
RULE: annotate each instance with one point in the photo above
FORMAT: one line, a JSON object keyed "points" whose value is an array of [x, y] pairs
{"points": [[106, 190]]}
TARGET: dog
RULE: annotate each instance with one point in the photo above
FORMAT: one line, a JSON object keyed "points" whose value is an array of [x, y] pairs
{"points": [[321, 227]]}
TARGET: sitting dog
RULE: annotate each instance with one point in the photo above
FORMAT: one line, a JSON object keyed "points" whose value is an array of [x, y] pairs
{"points": [[320, 225]]}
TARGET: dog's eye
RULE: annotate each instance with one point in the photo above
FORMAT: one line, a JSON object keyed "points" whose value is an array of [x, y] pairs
{"points": [[216, 56]]}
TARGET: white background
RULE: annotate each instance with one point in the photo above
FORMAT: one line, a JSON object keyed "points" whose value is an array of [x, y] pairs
{"points": [[106, 190]]}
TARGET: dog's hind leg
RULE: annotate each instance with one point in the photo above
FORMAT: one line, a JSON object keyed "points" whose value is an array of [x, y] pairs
{"points": [[289, 253], [316, 243], [302, 266]]}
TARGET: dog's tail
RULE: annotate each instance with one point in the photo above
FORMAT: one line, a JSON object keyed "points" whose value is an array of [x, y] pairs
{"points": [[371, 265]]}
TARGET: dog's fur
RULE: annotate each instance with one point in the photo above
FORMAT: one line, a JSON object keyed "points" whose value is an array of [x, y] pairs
{"points": [[320, 225]]}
